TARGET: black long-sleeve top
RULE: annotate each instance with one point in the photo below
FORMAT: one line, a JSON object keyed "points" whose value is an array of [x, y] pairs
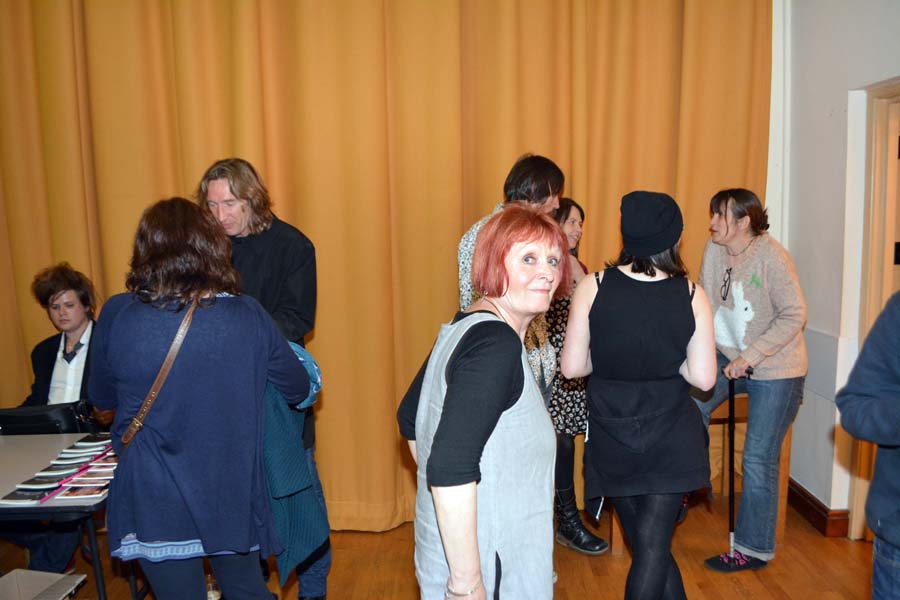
{"points": [[278, 269], [484, 378]]}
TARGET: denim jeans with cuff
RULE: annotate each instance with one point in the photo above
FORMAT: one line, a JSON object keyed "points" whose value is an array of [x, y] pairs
{"points": [[772, 407]]}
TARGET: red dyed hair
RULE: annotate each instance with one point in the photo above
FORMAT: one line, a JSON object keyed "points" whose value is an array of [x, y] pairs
{"points": [[517, 222]]}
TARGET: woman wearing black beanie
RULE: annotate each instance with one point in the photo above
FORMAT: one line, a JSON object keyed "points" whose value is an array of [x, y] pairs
{"points": [[652, 338]]}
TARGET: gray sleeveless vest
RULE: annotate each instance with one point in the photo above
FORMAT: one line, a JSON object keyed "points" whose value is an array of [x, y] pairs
{"points": [[515, 513]]}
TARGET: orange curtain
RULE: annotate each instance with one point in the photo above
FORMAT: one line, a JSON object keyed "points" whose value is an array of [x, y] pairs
{"points": [[383, 129]]}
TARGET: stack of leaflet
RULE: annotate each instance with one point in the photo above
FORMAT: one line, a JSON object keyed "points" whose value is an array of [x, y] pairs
{"points": [[80, 472]]}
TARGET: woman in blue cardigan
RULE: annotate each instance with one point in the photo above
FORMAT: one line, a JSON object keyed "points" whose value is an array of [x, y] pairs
{"points": [[192, 482]]}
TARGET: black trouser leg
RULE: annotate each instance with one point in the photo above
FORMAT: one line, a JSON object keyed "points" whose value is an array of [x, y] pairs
{"points": [[237, 574], [648, 522], [565, 461], [175, 579]]}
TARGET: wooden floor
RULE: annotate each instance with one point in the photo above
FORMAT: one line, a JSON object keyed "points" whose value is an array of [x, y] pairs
{"points": [[379, 566]]}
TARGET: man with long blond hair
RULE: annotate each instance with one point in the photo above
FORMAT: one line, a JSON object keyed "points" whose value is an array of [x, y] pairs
{"points": [[277, 265]]}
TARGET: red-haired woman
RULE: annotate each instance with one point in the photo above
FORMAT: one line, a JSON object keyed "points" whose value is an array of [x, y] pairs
{"points": [[478, 429]]}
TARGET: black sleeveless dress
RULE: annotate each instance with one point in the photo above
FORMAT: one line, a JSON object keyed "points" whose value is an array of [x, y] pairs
{"points": [[645, 435]]}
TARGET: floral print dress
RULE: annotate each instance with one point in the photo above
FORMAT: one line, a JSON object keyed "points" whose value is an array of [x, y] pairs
{"points": [[568, 406]]}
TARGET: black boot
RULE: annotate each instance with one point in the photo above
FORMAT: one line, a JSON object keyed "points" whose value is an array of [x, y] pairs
{"points": [[570, 531]]}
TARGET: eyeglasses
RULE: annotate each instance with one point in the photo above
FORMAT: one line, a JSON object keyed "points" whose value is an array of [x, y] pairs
{"points": [[726, 284]]}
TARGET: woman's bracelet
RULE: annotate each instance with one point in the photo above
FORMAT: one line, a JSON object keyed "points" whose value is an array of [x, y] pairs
{"points": [[448, 593]]}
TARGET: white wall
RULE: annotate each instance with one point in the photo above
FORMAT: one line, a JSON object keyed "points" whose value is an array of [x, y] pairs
{"points": [[833, 48]]}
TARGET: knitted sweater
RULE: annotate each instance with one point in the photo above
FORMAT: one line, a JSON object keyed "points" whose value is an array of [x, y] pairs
{"points": [[763, 315]]}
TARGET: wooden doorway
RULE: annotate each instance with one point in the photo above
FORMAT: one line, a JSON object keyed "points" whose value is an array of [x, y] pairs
{"points": [[880, 274]]}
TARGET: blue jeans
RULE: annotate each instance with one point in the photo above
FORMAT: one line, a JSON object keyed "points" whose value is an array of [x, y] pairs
{"points": [[312, 573], [772, 407], [51, 546], [885, 570]]}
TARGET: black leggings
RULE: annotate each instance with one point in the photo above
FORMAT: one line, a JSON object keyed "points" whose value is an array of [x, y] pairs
{"points": [[238, 575], [648, 522], [565, 461]]}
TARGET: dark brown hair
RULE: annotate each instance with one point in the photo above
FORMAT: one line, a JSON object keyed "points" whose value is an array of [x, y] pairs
{"points": [[668, 261], [52, 281], [565, 207], [744, 203], [246, 184], [180, 253], [533, 179], [562, 213]]}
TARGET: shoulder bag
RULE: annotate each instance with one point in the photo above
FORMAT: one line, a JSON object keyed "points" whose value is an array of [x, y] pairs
{"points": [[138, 421]]}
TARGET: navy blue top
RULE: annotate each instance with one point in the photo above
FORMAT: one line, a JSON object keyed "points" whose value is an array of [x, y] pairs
{"points": [[870, 410], [195, 470]]}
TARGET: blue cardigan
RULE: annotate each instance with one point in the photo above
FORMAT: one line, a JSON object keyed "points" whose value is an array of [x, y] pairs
{"points": [[300, 521], [195, 470], [870, 410]]}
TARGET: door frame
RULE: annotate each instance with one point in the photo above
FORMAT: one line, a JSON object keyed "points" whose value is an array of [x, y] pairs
{"points": [[882, 107]]}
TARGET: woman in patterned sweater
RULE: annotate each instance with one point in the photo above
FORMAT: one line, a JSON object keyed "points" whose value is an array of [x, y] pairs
{"points": [[759, 315]]}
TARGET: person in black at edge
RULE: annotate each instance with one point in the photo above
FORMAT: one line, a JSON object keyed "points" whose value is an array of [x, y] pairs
{"points": [[277, 265]]}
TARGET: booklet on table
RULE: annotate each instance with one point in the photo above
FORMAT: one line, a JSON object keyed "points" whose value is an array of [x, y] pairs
{"points": [[25, 496], [94, 439], [82, 493], [57, 470], [41, 483]]}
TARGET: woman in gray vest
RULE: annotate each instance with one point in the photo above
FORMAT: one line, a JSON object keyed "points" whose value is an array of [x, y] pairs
{"points": [[478, 429]]}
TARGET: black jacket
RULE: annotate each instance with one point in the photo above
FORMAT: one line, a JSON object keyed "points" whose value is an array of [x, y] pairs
{"points": [[43, 359], [278, 269]]}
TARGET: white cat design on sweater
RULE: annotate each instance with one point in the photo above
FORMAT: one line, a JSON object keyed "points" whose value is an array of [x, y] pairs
{"points": [[730, 324]]}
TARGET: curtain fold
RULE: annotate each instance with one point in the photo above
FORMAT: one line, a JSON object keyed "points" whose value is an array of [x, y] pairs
{"points": [[383, 130]]}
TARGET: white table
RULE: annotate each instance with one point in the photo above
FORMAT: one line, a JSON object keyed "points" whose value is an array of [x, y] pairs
{"points": [[21, 456]]}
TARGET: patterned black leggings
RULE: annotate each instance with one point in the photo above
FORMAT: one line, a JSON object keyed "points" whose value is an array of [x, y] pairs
{"points": [[648, 522]]}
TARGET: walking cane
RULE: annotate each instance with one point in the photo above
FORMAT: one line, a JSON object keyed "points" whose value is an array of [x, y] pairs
{"points": [[731, 464]]}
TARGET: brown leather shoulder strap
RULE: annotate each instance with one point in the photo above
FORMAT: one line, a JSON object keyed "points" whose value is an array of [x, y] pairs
{"points": [[138, 421]]}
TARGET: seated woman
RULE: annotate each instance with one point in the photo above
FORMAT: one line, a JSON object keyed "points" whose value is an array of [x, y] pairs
{"points": [[478, 429], [60, 371], [59, 362], [192, 482]]}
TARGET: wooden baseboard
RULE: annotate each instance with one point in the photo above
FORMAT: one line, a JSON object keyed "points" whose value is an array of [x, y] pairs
{"points": [[828, 522]]}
